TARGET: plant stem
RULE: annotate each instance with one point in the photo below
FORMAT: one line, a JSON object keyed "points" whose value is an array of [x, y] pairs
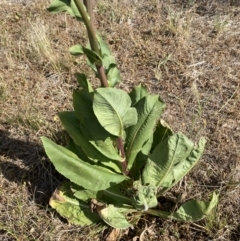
{"points": [[88, 5], [88, 20], [122, 152]]}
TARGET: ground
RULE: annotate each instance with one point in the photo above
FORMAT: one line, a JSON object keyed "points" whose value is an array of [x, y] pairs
{"points": [[187, 51]]}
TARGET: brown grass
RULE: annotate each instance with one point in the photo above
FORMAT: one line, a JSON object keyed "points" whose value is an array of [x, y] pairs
{"points": [[185, 50]]}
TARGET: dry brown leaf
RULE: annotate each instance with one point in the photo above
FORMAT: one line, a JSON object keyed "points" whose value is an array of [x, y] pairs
{"points": [[113, 235]]}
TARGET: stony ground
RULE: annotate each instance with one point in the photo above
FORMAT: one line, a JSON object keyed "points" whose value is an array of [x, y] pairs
{"points": [[186, 51]]}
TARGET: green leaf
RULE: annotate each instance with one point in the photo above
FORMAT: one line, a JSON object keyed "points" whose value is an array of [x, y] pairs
{"points": [[76, 50], [90, 126], [92, 64], [107, 56], [73, 147], [109, 63], [190, 211], [72, 125], [104, 49], [144, 196], [138, 93], [113, 110], [114, 195], [113, 76], [65, 5], [92, 56], [83, 82], [149, 110], [82, 193], [169, 153], [107, 60], [195, 210], [141, 159], [75, 211], [113, 217], [161, 132], [182, 168], [89, 176]]}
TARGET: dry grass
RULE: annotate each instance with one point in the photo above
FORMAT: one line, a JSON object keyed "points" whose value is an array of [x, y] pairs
{"points": [[185, 50]]}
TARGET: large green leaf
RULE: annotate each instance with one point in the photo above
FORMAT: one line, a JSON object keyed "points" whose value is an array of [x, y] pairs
{"points": [[65, 5], [89, 176], [149, 110], [72, 125], [190, 211], [90, 126], [161, 132], [113, 217], [183, 167], [168, 154], [113, 110], [138, 93], [75, 211]]}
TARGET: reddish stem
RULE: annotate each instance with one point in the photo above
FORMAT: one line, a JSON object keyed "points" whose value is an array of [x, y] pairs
{"points": [[120, 146]]}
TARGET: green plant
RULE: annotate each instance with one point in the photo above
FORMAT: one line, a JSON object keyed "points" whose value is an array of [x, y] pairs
{"points": [[121, 157]]}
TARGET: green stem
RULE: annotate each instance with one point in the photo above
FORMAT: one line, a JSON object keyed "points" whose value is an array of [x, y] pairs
{"points": [[159, 213], [88, 20], [88, 5]]}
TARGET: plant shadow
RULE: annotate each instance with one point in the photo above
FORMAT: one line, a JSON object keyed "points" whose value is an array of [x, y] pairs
{"points": [[26, 162]]}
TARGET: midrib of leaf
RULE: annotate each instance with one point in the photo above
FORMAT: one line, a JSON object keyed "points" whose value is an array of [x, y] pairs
{"points": [[121, 134], [172, 162], [134, 137], [73, 202], [77, 203], [188, 170], [116, 195], [141, 126]]}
